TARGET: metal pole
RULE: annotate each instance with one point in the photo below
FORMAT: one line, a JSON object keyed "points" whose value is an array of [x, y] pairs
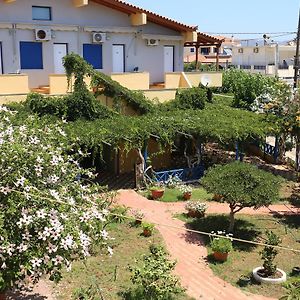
{"points": [[296, 61]]}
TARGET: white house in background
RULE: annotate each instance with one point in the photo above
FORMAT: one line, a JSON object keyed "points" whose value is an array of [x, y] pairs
{"points": [[271, 59], [113, 36]]}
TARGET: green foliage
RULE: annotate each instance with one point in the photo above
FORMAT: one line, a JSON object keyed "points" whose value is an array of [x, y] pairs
{"points": [[154, 277], [78, 105], [110, 88], [269, 253], [91, 292], [242, 184], [148, 226], [292, 289], [193, 98], [221, 244], [119, 213], [246, 87], [188, 67]]}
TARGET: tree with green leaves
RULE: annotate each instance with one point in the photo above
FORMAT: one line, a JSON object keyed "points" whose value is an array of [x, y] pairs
{"points": [[242, 185]]}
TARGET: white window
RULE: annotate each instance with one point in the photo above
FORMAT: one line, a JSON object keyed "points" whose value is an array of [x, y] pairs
{"points": [[42, 13]]}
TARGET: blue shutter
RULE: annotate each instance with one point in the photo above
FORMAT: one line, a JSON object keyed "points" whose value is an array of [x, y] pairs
{"points": [[92, 53], [31, 55]]}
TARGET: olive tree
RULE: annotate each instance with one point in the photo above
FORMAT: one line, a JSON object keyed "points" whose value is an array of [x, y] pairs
{"points": [[242, 185]]}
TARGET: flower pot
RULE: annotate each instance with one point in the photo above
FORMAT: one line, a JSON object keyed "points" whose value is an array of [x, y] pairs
{"points": [[261, 279], [156, 194], [147, 232], [296, 271], [244, 280], [220, 256], [187, 195], [2, 296], [195, 214]]}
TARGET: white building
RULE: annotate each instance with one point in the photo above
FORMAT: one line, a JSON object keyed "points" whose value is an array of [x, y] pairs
{"points": [[272, 60], [115, 37]]}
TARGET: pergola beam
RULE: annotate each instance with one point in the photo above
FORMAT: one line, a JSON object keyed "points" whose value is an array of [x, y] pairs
{"points": [[80, 3], [9, 1]]}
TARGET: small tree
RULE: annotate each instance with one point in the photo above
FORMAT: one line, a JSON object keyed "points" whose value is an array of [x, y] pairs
{"points": [[242, 185]]}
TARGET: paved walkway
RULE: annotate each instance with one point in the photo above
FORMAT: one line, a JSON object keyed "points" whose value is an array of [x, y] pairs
{"points": [[188, 249]]}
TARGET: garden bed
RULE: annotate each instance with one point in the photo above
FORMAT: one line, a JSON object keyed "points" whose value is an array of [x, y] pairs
{"points": [[245, 257], [110, 273]]}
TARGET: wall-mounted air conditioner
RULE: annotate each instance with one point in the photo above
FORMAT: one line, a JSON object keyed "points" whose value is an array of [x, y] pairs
{"points": [[42, 34], [152, 42], [99, 37]]}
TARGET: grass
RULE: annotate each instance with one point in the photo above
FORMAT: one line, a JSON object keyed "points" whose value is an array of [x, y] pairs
{"points": [[111, 274], [175, 195], [245, 257]]}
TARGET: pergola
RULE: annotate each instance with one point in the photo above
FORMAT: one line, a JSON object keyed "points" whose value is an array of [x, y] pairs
{"points": [[206, 40]]}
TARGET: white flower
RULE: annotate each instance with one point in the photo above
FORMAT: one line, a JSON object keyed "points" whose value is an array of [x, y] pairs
{"points": [[67, 243], [110, 251], [53, 179], [36, 262], [41, 214], [20, 181], [34, 140], [57, 260], [51, 248], [22, 247], [104, 234], [54, 194]]}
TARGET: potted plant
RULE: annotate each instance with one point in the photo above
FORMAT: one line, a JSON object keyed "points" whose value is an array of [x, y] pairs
{"points": [[186, 192], [196, 209], [147, 229], [157, 191], [173, 182], [138, 216], [269, 273], [221, 245]]}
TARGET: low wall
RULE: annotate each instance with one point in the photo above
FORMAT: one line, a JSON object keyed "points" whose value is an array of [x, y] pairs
{"points": [[176, 80], [14, 84], [133, 81], [211, 79], [162, 95]]}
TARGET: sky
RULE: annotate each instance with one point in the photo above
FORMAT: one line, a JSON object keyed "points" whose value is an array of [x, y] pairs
{"points": [[232, 16]]}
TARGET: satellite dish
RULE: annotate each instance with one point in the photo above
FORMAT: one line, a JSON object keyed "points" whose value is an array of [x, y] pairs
{"points": [[205, 80]]}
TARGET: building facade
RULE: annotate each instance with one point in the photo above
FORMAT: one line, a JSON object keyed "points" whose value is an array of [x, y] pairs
{"points": [[272, 60], [113, 36]]}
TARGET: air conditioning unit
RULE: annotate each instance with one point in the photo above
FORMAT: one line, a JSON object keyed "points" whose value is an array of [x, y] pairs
{"points": [[42, 34], [152, 42], [99, 37], [240, 50], [256, 50]]}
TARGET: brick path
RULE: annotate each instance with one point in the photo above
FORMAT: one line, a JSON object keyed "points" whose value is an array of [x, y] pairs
{"points": [[188, 249]]}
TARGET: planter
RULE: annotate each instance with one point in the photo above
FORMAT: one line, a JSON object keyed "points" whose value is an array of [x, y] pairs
{"points": [[296, 271], [244, 280], [195, 214], [2, 296], [269, 280], [156, 194], [147, 232], [187, 196], [220, 256]]}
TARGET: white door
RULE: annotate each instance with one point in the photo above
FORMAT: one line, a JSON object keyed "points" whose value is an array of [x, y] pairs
{"points": [[1, 59], [169, 58], [118, 59], [60, 50]]}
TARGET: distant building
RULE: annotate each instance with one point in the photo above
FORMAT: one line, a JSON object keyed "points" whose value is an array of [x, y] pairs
{"points": [[271, 59], [208, 54]]}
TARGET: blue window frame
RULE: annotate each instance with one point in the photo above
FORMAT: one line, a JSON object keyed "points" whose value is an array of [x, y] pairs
{"points": [[31, 55], [41, 13], [92, 53]]}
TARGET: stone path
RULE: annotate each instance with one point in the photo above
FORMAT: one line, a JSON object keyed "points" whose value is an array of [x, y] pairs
{"points": [[188, 248]]}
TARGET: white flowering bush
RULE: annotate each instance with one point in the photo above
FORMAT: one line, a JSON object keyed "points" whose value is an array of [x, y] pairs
{"points": [[185, 189], [173, 182], [48, 216]]}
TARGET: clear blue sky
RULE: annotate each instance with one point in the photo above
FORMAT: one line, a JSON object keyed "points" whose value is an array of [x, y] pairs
{"points": [[230, 15]]}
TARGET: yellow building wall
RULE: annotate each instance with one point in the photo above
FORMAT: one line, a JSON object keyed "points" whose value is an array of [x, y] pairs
{"points": [[12, 98], [13, 84], [133, 81], [172, 80], [162, 95]]}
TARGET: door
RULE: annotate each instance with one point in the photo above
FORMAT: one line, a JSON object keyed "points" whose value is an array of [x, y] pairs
{"points": [[169, 58], [118, 59], [60, 50], [1, 59]]}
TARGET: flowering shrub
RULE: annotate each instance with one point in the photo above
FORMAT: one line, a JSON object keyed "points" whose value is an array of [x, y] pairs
{"points": [[221, 244], [195, 206], [48, 216], [185, 189], [173, 182]]}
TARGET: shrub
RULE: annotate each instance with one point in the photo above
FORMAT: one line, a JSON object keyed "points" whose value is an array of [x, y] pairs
{"points": [[119, 213], [221, 244], [269, 253], [193, 98], [154, 276], [196, 209], [292, 288]]}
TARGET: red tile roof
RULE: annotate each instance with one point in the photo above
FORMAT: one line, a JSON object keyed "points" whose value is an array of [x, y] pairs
{"points": [[151, 16]]}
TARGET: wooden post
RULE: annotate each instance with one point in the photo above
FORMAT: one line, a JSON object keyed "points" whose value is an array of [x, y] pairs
{"points": [[218, 58], [145, 153], [197, 56], [237, 153]]}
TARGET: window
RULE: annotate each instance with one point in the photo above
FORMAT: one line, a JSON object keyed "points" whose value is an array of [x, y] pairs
{"points": [[245, 67], [42, 13], [31, 55], [204, 51], [259, 67], [92, 53], [192, 50]]}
